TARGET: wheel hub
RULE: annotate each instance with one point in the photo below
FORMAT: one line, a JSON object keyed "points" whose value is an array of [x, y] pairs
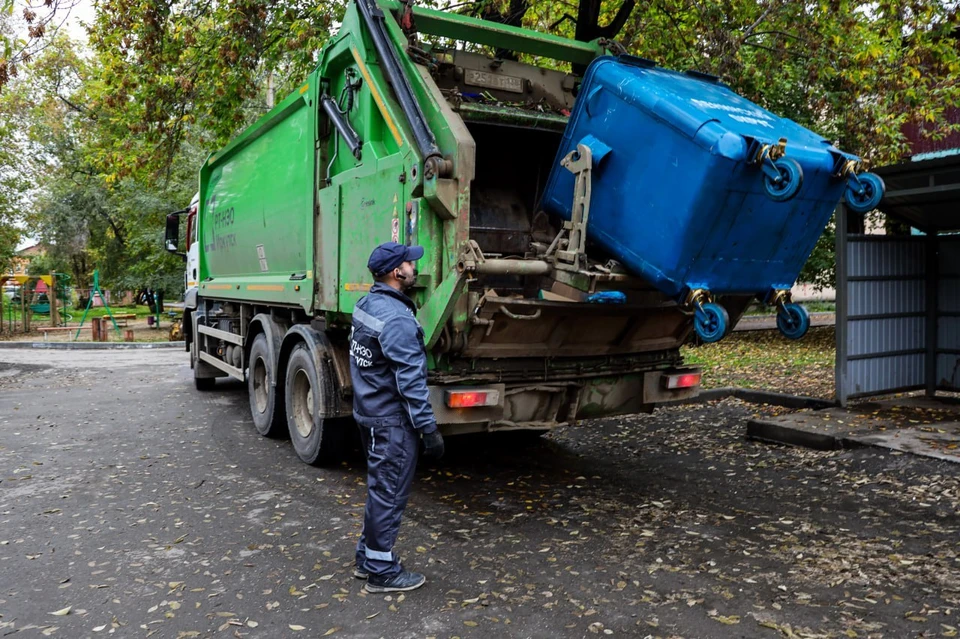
{"points": [[303, 404], [261, 385]]}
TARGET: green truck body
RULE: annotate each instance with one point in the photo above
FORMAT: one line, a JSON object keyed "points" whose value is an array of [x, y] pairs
{"points": [[380, 144]]}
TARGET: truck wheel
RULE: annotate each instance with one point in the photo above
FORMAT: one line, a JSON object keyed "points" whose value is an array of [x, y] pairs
{"points": [[267, 412], [201, 383], [307, 394]]}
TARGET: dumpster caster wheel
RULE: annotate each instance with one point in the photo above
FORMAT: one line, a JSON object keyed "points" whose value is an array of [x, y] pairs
{"points": [[867, 197], [791, 178], [793, 321], [711, 322]]}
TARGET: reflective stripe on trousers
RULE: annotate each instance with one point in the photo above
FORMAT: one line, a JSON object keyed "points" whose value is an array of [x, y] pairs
{"points": [[392, 446]]}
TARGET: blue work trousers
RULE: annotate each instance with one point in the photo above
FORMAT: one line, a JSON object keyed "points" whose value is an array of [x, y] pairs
{"points": [[392, 446]]}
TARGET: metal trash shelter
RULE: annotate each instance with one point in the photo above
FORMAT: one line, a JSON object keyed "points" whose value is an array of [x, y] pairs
{"points": [[898, 296]]}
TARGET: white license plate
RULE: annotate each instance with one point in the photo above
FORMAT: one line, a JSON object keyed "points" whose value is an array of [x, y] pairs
{"points": [[493, 81]]}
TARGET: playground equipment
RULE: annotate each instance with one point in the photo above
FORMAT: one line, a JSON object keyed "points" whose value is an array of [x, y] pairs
{"points": [[33, 296], [96, 291]]}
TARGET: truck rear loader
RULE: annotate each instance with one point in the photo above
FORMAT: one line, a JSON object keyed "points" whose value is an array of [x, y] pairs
{"points": [[527, 325]]}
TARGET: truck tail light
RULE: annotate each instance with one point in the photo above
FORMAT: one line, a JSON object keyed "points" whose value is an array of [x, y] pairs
{"points": [[682, 380], [472, 398]]}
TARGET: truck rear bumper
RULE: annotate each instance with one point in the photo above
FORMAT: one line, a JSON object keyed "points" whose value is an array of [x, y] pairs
{"points": [[547, 405]]}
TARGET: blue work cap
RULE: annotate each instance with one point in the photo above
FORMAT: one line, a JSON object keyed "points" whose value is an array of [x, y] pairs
{"points": [[390, 255]]}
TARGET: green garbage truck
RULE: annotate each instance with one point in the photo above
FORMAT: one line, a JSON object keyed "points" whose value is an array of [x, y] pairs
{"points": [[416, 128]]}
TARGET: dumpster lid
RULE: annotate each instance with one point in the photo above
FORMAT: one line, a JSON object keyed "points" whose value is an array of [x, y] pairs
{"points": [[689, 100]]}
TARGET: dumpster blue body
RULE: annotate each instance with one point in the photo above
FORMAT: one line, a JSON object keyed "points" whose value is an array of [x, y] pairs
{"points": [[676, 197]]}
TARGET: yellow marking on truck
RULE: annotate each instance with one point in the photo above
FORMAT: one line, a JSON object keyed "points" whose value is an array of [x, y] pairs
{"points": [[218, 287], [304, 89], [356, 287], [377, 98], [264, 287], [189, 284]]}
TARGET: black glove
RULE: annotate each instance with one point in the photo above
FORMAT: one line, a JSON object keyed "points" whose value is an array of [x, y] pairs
{"points": [[433, 445]]}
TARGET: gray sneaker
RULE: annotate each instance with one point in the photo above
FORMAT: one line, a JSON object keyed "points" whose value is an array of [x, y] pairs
{"points": [[402, 581], [360, 573]]}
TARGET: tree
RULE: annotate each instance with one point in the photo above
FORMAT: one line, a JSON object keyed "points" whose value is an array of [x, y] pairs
{"points": [[88, 218], [11, 186], [25, 29], [9, 238], [115, 137], [172, 70]]}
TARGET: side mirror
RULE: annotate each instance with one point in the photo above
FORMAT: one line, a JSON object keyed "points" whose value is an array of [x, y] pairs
{"points": [[172, 235]]}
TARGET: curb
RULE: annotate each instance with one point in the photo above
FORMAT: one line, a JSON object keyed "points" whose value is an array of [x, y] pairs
{"points": [[91, 346], [748, 323], [773, 433], [755, 397]]}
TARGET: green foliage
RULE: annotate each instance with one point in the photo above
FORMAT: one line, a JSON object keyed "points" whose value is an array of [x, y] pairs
{"points": [[173, 71], [11, 187], [96, 146], [87, 217], [44, 265], [22, 35], [820, 270], [9, 238]]}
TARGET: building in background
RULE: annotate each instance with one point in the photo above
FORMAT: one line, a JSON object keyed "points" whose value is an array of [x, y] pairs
{"points": [[21, 260]]}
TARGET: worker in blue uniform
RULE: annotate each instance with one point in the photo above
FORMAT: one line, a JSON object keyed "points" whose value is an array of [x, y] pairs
{"points": [[391, 405]]}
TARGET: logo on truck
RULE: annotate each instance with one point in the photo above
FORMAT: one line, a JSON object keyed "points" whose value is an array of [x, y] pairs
{"points": [[220, 219]]}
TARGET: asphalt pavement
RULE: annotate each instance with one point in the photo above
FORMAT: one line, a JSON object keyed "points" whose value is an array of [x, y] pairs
{"points": [[133, 505]]}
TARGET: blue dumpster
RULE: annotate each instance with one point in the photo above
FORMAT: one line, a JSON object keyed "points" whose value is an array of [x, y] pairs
{"points": [[701, 191]]}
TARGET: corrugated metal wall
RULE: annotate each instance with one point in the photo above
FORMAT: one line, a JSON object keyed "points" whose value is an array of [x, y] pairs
{"points": [[881, 315], [898, 313], [922, 140], [948, 313]]}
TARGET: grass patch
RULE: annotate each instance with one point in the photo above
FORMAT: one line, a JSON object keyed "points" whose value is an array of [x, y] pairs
{"points": [[766, 360], [813, 307]]}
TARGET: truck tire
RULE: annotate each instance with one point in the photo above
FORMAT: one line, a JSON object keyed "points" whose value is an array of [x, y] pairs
{"points": [[267, 412], [308, 394], [200, 383]]}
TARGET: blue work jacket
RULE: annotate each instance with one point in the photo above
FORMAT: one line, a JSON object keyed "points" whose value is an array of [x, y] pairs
{"points": [[388, 359]]}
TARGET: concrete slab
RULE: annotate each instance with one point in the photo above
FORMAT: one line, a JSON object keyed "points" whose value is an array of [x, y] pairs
{"points": [[919, 425], [940, 442]]}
